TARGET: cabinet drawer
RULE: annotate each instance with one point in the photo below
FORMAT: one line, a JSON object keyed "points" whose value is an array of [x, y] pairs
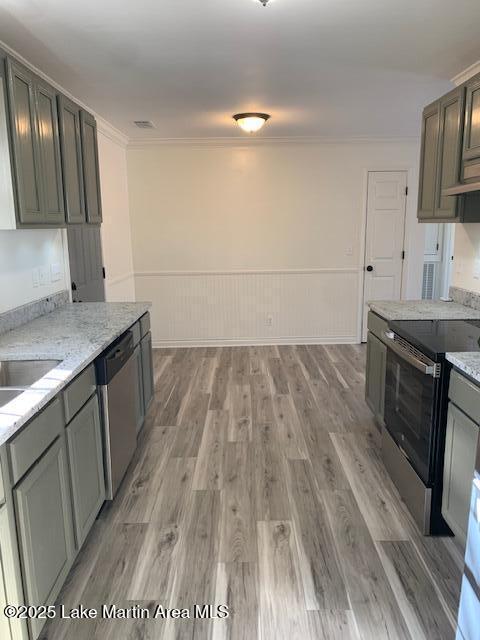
{"points": [[145, 324], [29, 445], [465, 395], [136, 333], [376, 325], [79, 391]]}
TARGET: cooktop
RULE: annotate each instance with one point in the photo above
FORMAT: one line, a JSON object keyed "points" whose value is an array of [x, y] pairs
{"points": [[435, 337]]}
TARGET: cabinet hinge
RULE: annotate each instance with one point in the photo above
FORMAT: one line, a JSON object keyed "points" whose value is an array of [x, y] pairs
{"points": [[403, 255], [103, 272]]}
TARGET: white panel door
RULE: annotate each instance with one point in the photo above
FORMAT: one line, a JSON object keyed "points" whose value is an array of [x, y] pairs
{"points": [[433, 242], [386, 205]]}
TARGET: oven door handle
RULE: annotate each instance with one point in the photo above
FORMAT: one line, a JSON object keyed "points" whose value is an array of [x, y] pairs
{"points": [[428, 367]]}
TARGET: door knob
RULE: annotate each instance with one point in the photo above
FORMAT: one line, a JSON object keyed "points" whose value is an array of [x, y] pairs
{"points": [[369, 268]]}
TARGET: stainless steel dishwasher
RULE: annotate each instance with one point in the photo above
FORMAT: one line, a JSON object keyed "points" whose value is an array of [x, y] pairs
{"points": [[116, 380]]}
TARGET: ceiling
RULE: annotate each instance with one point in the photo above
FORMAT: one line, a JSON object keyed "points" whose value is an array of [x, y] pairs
{"points": [[328, 68]]}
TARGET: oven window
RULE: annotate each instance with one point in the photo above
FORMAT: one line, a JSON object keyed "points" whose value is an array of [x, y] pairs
{"points": [[409, 405]]}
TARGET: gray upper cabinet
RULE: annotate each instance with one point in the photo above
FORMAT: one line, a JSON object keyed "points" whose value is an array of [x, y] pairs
{"points": [[72, 164], [428, 162], [25, 141], [44, 522], [449, 160], [49, 141], [440, 158], [91, 174], [35, 148], [85, 453], [471, 142]]}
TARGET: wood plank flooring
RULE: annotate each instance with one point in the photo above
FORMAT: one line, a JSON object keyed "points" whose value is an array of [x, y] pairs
{"points": [[258, 483]]}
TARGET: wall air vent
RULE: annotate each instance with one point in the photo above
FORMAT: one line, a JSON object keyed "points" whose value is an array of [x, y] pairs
{"points": [[144, 124]]}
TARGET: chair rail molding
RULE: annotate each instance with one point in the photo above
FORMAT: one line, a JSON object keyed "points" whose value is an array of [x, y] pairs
{"points": [[241, 307]]}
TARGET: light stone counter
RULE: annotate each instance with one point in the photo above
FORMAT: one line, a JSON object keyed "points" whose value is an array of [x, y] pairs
{"points": [[468, 363], [75, 334], [423, 310]]}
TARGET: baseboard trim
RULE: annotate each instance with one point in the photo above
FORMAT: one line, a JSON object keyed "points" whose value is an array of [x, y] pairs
{"points": [[254, 342]]}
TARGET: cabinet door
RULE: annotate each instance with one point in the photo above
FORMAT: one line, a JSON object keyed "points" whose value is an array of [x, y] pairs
{"points": [[85, 454], [91, 175], [471, 140], [139, 402], [5, 631], [49, 142], [71, 153], [452, 114], [428, 162], [459, 464], [26, 150], [375, 375], [44, 522], [147, 370]]}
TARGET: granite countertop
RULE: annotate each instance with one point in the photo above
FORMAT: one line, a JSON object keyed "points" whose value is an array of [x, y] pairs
{"points": [[468, 363], [75, 334], [423, 310]]}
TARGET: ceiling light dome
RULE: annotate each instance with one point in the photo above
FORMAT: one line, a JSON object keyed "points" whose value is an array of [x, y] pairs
{"points": [[251, 122]]}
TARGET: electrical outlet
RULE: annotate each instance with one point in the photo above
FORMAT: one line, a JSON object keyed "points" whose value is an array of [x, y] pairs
{"points": [[43, 271], [269, 320], [55, 272], [349, 251], [36, 277]]}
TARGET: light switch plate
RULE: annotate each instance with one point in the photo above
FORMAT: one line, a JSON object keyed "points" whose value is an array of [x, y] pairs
{"points": [[36, 277], [55, 271], [43, 271]]}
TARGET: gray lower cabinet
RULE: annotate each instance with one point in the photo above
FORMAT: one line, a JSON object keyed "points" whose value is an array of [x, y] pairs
{"points": [[139, 401], [45, 531], [84, 440], [5, 631], [147, 370], [375, 375], [459, 463]]}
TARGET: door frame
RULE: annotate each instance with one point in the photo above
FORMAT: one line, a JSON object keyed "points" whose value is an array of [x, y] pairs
{"points": [[409, 202]]}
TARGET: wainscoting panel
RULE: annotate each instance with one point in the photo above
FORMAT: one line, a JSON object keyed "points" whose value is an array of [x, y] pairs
{"points": [[120, 288], [252, 307]]}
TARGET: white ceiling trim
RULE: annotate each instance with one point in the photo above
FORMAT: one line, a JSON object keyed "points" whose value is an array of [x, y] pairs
{"points": [[467, 73], [142, 143], [103, 126]]}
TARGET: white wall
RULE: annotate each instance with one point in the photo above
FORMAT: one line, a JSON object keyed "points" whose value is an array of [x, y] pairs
{"points": [[116, 238], [227, 237], [467, 249], [21, 252]]}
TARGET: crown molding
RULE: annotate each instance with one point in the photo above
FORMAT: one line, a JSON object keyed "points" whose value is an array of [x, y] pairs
{"points": [[201, 143], [103, 126], [467, 73]]}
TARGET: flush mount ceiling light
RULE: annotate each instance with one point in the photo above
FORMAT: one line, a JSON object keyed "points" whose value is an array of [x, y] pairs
{"points": [[264, 2], [251, 122]]}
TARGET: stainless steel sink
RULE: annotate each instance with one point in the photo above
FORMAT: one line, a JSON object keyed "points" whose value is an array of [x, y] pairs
{"points": [[8, 394], [24, 373]]}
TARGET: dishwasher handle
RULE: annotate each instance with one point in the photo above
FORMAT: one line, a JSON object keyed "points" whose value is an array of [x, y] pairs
{"points": [[113, 359]]}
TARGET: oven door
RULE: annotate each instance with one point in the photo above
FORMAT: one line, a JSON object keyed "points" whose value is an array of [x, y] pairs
{"points": [[410, 398]]}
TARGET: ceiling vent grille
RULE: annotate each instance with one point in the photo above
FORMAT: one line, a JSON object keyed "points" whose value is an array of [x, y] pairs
{"points": [[144, 124]]}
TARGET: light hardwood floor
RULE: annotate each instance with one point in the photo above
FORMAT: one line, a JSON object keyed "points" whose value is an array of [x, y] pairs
{"points": [[258, 483]]}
